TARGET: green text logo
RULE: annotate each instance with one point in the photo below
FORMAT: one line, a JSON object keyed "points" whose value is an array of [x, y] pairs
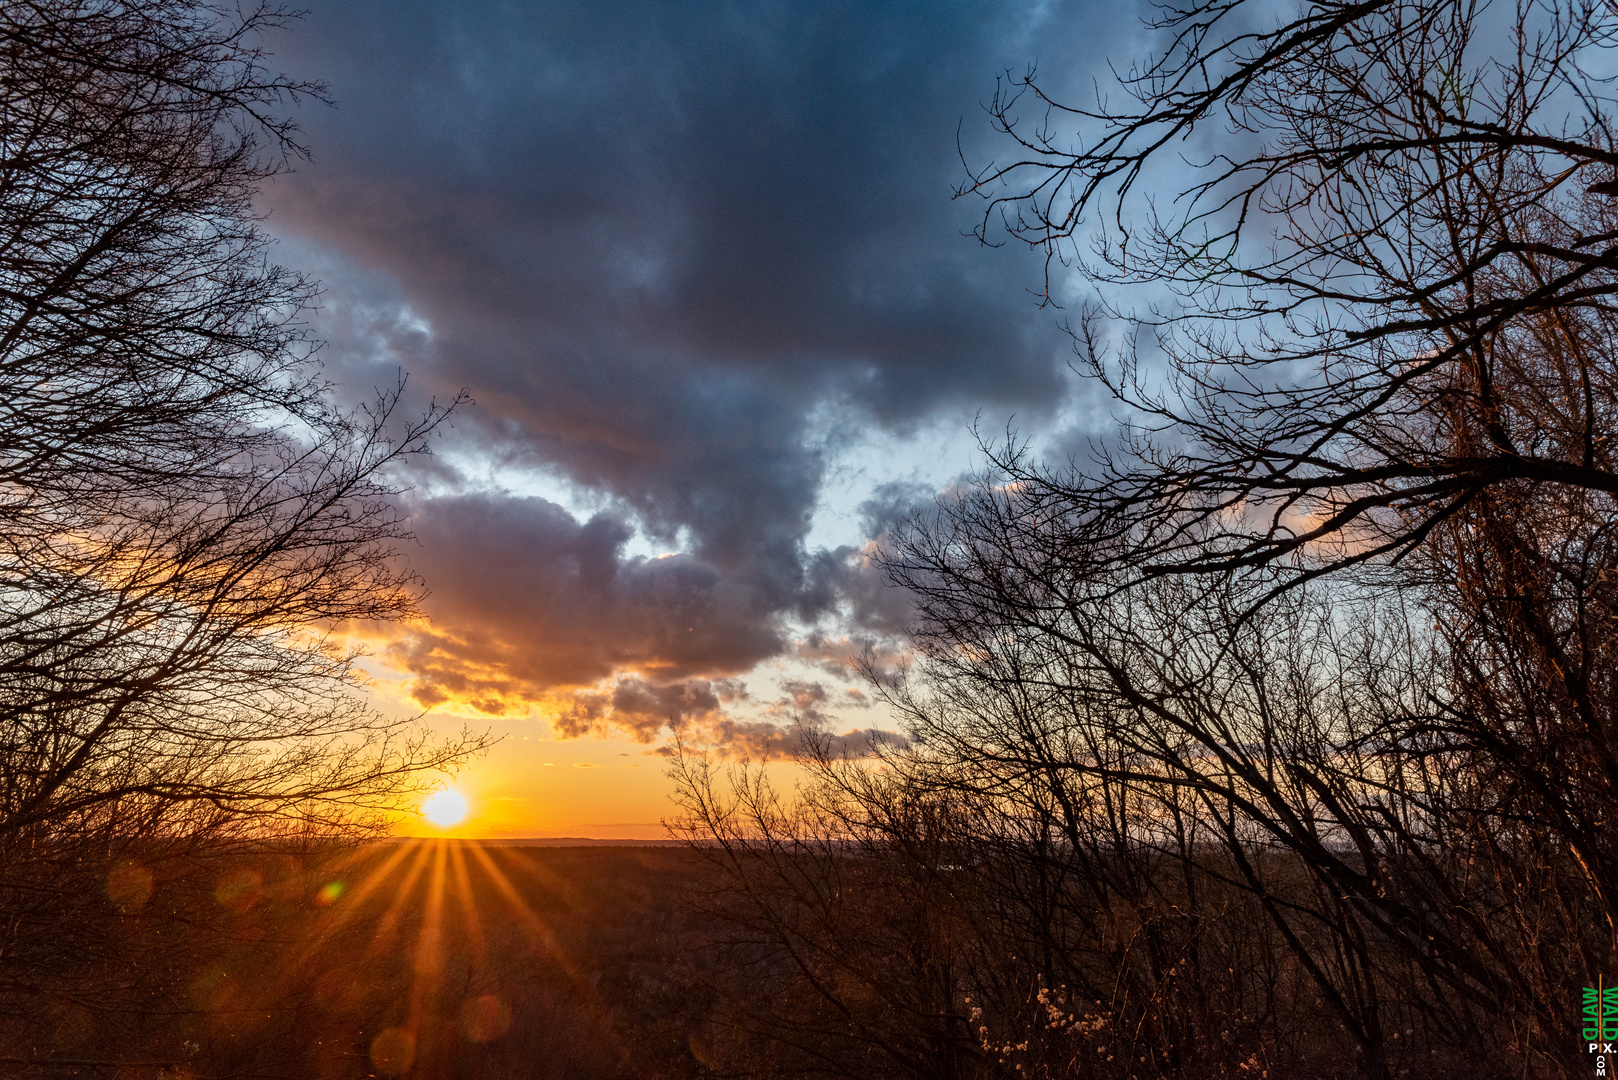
{"points": [[1601, 1014], [1600, 1027]]}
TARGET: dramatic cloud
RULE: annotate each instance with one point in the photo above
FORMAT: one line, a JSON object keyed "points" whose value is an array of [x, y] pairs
{"points": [[527, 599], [683, 255]]}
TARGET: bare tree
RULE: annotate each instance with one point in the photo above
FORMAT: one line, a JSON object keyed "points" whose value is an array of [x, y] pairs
{"points": [[847, 946], [1300, 690], [1387, 348], [187, 516], [184, 506], [1386, 288], [1301, 755], [1122, 841]]}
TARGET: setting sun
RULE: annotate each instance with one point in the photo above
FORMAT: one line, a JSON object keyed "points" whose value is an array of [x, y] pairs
{"points": [[445, 808]]}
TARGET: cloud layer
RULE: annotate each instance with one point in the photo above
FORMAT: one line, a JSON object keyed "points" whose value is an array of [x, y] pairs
{"points": [[683, 255]]}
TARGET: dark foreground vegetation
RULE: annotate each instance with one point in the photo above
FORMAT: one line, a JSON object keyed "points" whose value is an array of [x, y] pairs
{"points": [[463, 960], [1276, 736], [421, 958]]}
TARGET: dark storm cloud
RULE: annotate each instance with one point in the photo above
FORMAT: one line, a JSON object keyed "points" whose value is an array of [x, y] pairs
{"points": [[527, 598], [680, 253]]}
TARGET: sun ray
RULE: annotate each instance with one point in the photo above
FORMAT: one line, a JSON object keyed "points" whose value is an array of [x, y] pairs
{"points": [[334, 918], [427, 962], [388, 923], [468, 907], [541, 933], [431, 906], [354, 898], [536, 927]]}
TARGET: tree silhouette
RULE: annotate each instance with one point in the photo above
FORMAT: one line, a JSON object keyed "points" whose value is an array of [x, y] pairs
{"points": [[1310, 667], [185, 512]]}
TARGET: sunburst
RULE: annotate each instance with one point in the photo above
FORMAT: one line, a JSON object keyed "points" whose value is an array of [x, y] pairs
{"points": [[420, 903], [445, 808]]}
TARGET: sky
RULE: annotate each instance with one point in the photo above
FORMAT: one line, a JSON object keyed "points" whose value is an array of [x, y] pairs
{"points": [[700, 268]]}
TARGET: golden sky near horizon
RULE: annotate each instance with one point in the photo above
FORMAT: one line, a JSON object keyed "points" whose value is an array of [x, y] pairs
{"points": [[534, 785]]}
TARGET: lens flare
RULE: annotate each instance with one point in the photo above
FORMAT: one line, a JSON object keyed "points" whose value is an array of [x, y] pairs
{"points": [[425, 900], [445, 808]]}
